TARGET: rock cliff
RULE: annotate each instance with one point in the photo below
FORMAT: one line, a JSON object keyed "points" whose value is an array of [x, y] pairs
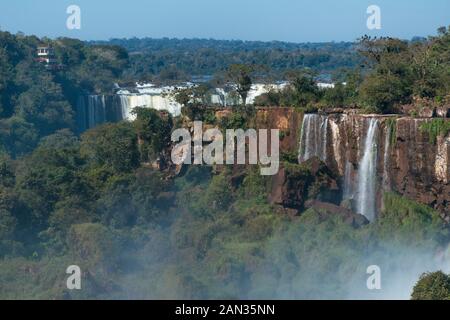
{"points": [[367, 154]]}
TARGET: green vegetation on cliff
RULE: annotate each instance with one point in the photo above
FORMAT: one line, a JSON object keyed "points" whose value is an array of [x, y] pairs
{"points": [[210, 233], [97, 201], [436, 128]]}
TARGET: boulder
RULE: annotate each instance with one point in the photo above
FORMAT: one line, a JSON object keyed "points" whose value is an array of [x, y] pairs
{"points": [[407, 109], [325, 209], [426, 112], [296, 183], [443, 112]]}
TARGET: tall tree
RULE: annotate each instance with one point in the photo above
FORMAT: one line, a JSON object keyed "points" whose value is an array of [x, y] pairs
{"points": [[240, 75]]}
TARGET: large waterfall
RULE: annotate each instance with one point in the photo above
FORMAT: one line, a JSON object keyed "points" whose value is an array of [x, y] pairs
{"points": [[130, 101], [359, 174], [93, 110], [314, 137], [367, 173]]}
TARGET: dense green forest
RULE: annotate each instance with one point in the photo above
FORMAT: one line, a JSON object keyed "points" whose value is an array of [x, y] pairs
{"points": [[34, 102], [393, 73], [181, 59], [138, 232]]}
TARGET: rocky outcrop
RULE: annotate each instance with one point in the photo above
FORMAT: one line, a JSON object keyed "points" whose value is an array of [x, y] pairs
{"points": [[443, 112], [297, 183], [325, 209], [406, 160], [287, 120], [402, 157]]}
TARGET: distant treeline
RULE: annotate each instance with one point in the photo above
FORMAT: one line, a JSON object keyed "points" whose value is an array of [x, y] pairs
{"points": [[179, 59]]}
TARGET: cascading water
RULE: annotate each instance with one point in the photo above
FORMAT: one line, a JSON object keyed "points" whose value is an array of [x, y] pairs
{"points": [[387, 146], [129, 101], [91, 111], [366, 199], [125, 109], [94, 110], [348, 189], [313, 141]]}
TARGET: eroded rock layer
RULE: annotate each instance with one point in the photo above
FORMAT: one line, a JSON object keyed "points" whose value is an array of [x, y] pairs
{"points": [[370, 154]]}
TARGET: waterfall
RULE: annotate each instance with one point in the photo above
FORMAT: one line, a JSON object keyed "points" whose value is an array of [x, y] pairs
{"points": [[366, 200], [313, 140], [91, 111], [94, 110], [125, 107], [348, 186], [156, 101], [387, 146]]}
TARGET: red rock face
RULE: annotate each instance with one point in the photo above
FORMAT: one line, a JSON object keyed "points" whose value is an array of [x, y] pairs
{"points": [[420, 169], [287, 120], [406, 162]]}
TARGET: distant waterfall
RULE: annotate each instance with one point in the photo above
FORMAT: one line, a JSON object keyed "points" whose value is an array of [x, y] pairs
{"points": [[153, 101], [313, 141], [91, 111], [125, 107], [367, 173], [94, 110]]}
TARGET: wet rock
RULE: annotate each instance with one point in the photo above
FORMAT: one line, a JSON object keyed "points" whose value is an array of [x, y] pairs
{"points": [[426, 112], [407, 109], [443, 112], [296, 183], [326, 209], [349, 204]]}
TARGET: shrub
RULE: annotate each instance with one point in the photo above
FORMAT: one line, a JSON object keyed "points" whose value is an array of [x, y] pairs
{"points": [[436, 128], [432, 286]]}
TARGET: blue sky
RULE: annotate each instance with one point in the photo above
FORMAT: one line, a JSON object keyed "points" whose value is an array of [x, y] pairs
{"points": [[284, 20]]}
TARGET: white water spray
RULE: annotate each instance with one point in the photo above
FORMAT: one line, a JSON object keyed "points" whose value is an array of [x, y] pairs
{"points": [[366, 200], [313, 141], [387, 147]]}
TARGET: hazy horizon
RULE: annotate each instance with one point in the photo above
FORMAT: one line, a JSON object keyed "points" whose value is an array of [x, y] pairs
{"points": [[263, 20]]}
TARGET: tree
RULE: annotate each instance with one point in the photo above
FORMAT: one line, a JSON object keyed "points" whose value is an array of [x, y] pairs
{"points": [[390, 79], [304, 86], [194, 99], [335, 97], [7, 177], [153, 130], [93, 245], [374, 50], [112, 147], [17, 136], [382, 92], [432, 286], [240, 75]]}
